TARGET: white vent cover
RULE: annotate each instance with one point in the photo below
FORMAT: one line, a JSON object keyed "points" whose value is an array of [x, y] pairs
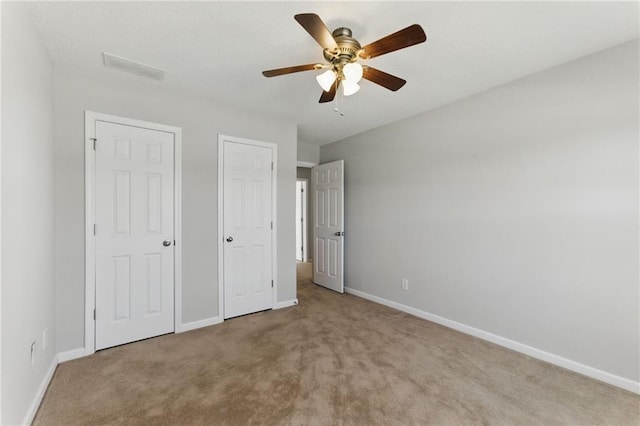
{"points": [[127, 65]]}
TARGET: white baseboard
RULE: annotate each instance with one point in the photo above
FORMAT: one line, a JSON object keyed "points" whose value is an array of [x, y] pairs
{"points": [[286, 304], [35, 404], [574, 366], [72, 354], [199, 324]]}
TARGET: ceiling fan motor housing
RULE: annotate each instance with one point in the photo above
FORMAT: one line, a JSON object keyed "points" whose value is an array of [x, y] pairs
{"points": [[348, 48]]}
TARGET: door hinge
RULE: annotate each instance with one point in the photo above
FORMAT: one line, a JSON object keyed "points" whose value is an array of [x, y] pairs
{"points": [[301, 189], [271, 283], [272, 165], [94, 142], [271, 224], [95, 229], [94, 314]]}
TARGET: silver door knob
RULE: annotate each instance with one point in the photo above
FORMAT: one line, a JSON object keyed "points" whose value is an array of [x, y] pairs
{"points": [[166, 243], [229, 239]]}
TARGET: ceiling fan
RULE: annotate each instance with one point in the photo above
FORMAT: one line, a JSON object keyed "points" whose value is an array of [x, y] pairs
{"points": [[343, 52]]}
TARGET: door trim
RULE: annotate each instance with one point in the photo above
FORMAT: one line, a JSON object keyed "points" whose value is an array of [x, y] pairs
{"points": [[274, 210], [90, 118], [304, 213]]}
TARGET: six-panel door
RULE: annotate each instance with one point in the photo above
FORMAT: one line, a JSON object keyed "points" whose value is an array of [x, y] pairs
{"points": [[247, 225], [134, 235], [328, 229]]}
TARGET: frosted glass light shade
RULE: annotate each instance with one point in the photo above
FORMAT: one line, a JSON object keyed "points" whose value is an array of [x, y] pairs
{"points": [[350, 87], [326, 79], [352, 72]]}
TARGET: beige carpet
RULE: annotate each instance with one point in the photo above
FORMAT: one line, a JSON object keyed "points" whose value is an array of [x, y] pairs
{"points": [[334, 359]]}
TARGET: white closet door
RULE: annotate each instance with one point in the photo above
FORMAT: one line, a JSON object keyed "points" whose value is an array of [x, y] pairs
{"points": [[247, 226], [134, 233]]}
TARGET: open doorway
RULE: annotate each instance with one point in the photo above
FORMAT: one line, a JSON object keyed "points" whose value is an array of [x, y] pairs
{"points": [[303, 225]]}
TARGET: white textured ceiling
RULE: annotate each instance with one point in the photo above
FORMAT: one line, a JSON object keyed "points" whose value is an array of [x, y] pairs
{"points": [[217, 50]]}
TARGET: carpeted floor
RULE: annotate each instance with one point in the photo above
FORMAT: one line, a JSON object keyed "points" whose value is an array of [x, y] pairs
{"points": [[333, 359]]}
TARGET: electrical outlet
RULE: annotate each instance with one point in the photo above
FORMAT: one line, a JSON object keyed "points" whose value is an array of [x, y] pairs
{"points": [[44, 338], [405, 284], [33, 353]]}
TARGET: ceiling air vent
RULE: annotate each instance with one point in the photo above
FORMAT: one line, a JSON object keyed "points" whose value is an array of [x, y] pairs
{"points": [[127, 65]]}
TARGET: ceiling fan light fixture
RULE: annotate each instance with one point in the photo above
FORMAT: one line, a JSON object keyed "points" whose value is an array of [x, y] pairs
{"points": [[350, 87], [326, 80], [342, 53], [352, 72]]}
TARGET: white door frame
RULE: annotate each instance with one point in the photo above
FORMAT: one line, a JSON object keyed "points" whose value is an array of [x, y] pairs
{"points": [[274, 210], [304, 213], [90, 242]]}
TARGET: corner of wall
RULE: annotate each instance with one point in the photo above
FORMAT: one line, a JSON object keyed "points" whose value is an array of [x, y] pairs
{"points": [[308, 154], [28, 292]]}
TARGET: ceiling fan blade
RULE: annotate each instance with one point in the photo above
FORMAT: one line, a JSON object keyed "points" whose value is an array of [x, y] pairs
{"points": [[317, 29], [388, 81], [328, 96], [290, 70], [409, 36]]}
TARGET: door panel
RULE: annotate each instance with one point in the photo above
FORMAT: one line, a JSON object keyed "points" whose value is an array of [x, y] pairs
{"points": [[247, 270], [134, 215], [328, 230], [122, 284]]}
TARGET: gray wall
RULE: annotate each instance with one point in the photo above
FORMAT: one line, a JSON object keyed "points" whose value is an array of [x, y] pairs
{"points": [[201, 122], [514, 211], [305, 173], [308, 153], [28, 290]]}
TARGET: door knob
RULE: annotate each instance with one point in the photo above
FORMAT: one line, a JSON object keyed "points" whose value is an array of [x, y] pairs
{"points": [[229, 239], [166, 243], [339, 234]]}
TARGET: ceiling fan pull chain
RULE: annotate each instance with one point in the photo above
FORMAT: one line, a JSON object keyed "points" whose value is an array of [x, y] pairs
{"points": [[338, 101]]}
